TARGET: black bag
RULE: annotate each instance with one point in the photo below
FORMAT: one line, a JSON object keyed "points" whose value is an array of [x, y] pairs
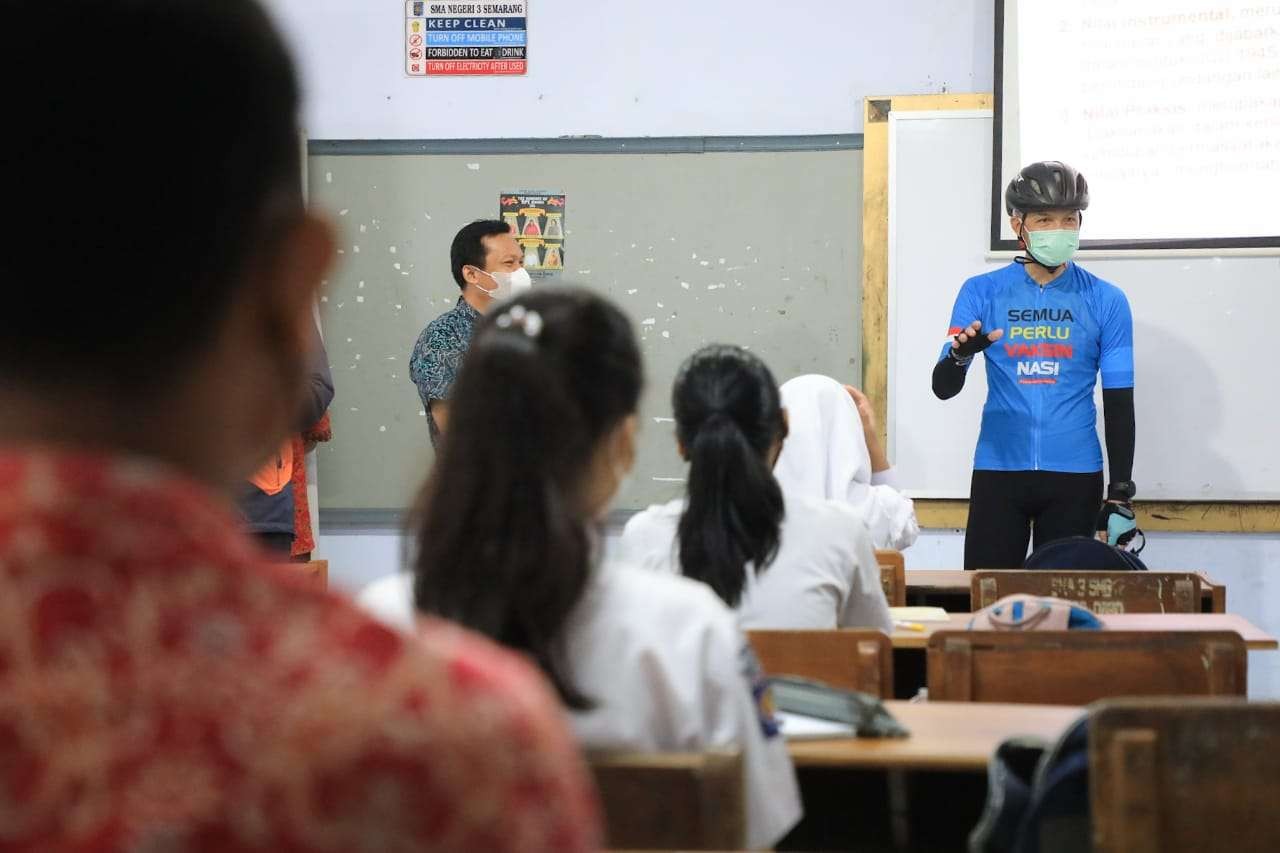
{"points": [[1037, 800], [1083, 553]]}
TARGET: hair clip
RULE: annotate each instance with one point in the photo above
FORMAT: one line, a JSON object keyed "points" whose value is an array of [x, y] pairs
{"points": [[529, 322]]}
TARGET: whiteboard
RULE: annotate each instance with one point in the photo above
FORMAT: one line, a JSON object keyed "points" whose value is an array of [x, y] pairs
{"points": [[1204, 333], [626, 69], [1169, 102]]}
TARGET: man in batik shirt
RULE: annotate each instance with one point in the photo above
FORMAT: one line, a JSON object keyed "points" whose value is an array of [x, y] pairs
{"points": [[488, 266]]}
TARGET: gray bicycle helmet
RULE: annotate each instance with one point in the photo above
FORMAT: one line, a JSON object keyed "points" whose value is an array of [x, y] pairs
{"points": [[1047, 185]]}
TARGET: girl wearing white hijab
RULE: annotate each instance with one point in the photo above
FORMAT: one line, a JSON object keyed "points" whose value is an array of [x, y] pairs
{"points": [[834, 452]]}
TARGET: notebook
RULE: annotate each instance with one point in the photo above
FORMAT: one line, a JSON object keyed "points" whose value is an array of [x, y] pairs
{"points": [[919, 614], [802, 727]]}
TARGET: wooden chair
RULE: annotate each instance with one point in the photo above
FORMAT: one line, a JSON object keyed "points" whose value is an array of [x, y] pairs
{"points": [[846, 658], [1216, 593], [316, 571], [893, 576], [668, 801], [1078, 667], [1186, 775], [1101, 592]]}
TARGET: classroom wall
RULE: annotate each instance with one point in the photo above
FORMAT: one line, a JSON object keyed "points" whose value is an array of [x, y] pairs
{"points": [[1242, 561], [661, 68]]}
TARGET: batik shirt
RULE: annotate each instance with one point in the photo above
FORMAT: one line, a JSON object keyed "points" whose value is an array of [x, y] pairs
{"points": [[437, 357], [160, 689]]}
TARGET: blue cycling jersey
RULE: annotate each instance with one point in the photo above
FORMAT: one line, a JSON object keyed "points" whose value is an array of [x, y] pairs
{"points": [[1040, 414]]}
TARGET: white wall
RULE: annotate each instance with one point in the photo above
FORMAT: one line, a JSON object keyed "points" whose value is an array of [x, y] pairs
{"points": [[661, 68], [357, 558], [1238, 560]]}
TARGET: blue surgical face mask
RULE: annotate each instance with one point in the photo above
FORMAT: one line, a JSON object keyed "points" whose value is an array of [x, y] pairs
{"points": [[1052, 248]]}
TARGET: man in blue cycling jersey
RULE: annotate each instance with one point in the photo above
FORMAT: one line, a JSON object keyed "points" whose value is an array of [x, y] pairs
{"points": [[1054, 328]]}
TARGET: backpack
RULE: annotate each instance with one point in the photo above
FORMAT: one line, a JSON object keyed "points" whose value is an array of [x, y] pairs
{"points": [[1037, 799], [1083, 553], [1022, 612]]}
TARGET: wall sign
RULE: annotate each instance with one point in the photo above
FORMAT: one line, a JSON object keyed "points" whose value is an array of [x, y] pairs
{"points": [[444, 39], [536, 220]]}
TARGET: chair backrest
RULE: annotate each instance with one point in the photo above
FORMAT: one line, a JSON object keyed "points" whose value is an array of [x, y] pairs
{"points": [[850, 659], [666, 801], [893, 576], [318, 571], [1215, 591], [1101, 592], [1186, 775], [1078, 667]]}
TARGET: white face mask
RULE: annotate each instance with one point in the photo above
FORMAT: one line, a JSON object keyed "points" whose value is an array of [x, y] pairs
{"points": [[508, 284]]}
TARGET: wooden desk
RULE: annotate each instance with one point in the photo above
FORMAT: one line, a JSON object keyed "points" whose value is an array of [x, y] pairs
{"points": [[955, 736], [949, 589], [938, 580], [922, 792], [1255, 638]]}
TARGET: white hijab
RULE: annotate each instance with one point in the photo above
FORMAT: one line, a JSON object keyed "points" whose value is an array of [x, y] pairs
{"points": [[825, 456]]}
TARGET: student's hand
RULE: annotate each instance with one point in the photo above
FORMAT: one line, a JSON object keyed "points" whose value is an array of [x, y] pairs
{"points": [[975, 340], [870, 431], [866, 412]]}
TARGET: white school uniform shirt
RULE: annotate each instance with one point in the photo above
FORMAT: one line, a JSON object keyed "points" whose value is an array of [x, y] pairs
{"points": [[825, 456], [669, 670], [824, 576]]}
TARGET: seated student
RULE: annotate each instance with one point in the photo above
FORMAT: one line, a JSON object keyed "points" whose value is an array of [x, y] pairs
{"points": [[833, 450], [783, 561], [542, 426], [163, 687]]}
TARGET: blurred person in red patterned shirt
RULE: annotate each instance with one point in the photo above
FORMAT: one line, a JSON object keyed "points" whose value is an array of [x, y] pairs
{"points": [[161, 687]]}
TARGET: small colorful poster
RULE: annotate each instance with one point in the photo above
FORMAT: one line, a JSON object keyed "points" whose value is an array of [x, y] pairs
{"points": [[444, 39], [536, 219]]}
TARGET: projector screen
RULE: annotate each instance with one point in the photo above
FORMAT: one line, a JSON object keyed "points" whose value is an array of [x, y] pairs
{"points": [[1169, 108]]}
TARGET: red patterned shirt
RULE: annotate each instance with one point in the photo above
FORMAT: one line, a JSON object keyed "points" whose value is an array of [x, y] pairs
{"points": [[161, 690]]}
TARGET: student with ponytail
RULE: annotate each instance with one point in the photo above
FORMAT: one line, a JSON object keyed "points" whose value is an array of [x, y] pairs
{"points": [[781, 561], [541, 432]]}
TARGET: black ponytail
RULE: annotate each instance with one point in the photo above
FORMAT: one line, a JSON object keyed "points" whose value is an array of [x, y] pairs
{"points": [[728, 417], [503, 542]]}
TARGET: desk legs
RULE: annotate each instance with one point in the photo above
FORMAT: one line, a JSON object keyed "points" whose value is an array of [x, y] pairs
{"points": [[882, 811], [910, 672]]}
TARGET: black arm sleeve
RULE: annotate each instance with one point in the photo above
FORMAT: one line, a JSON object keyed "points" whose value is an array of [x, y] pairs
{"points": [[948, 379], [319, 384], [1117, 413]]}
